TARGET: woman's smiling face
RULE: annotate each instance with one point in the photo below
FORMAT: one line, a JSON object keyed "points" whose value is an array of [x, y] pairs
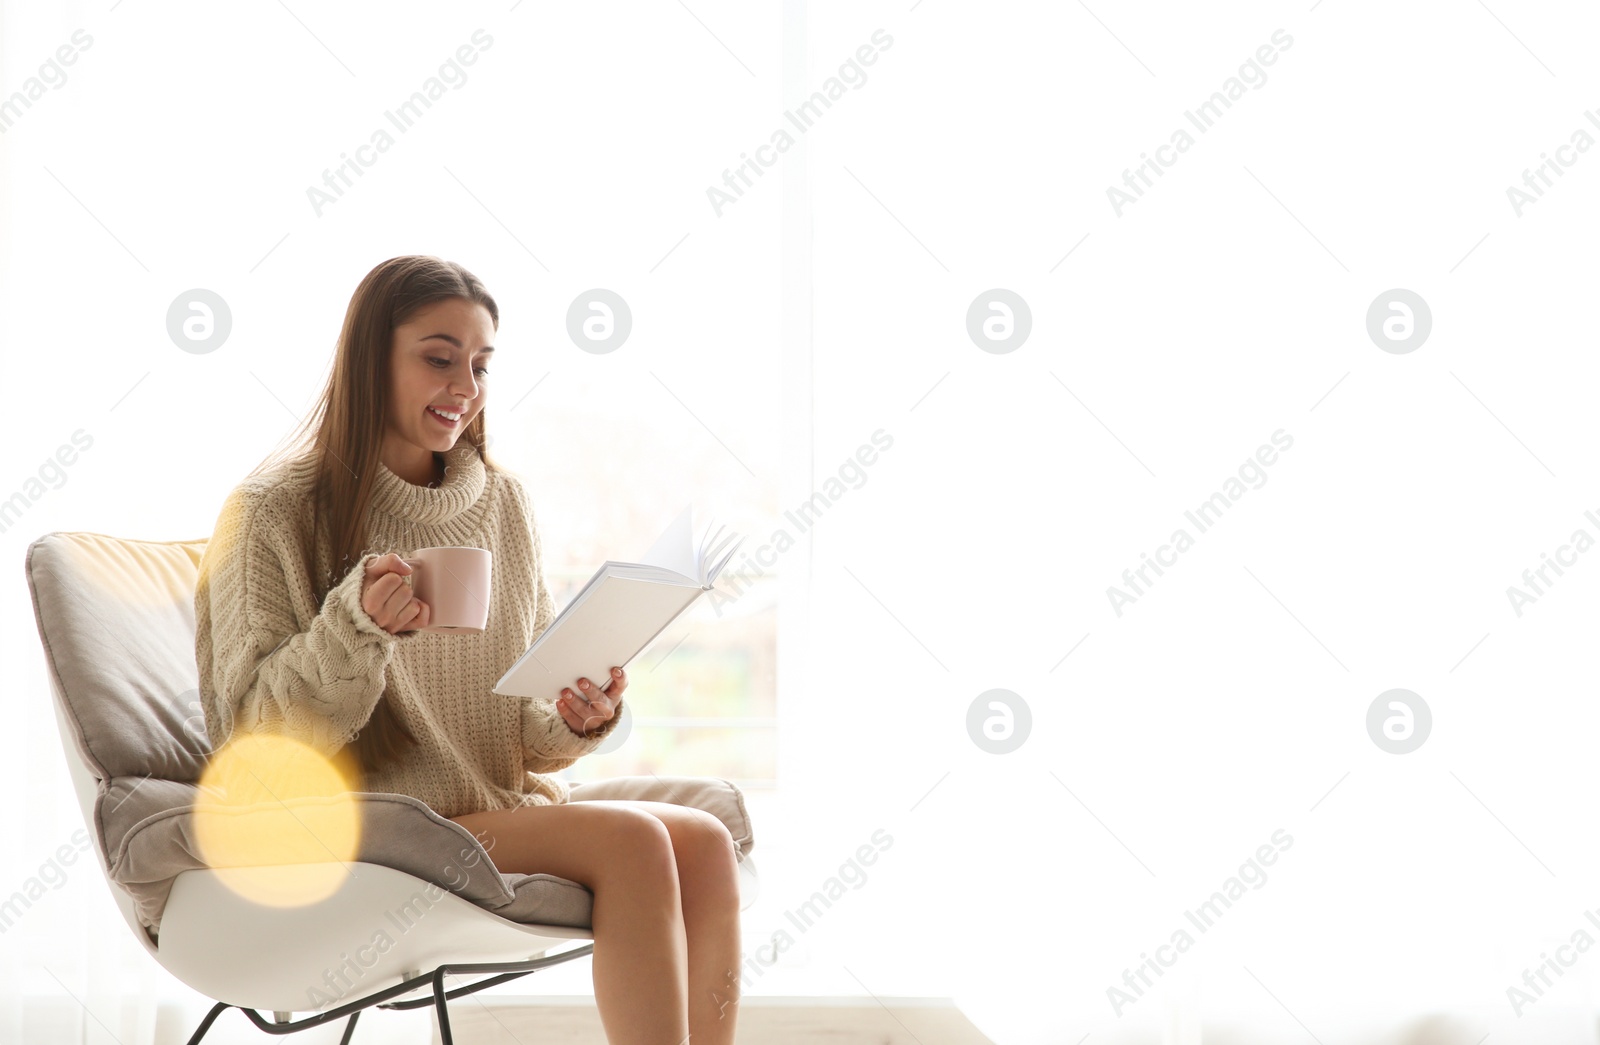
{"points": [[437, 366]]}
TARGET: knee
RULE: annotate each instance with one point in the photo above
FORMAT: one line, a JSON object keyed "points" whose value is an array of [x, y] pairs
{"points": [[705, 843], [718, 837], [639, 841]]}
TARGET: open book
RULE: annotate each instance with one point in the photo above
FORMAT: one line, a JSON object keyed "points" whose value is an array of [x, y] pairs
{"points": [[620, 611]]}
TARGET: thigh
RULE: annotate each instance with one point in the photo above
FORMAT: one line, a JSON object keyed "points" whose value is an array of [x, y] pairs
{"points": [[584, 842]]}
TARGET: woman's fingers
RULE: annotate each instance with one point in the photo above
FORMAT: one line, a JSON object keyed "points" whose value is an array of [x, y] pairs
{"points": [[585, 707], [392, 605], [381, 585], [383, 566], [397, 598], [613, 688], [567, 715], [375, 594], [413, 614], [388, 599], [400, 604]]}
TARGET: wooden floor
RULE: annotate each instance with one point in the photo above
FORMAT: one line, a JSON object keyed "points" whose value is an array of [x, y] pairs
{"points": [[762, 1021]]}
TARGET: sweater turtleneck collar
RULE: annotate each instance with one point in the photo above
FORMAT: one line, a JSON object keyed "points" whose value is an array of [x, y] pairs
{"points": [[464, 479]]}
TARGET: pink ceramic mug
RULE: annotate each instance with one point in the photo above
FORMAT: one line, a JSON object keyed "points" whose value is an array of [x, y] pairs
{"points": [[454, 582]]}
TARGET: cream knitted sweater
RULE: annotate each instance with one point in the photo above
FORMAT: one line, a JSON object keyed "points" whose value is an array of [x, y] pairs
{"points": [[271, 659]]}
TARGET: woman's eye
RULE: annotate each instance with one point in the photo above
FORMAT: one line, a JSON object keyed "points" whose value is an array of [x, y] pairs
{"points": [[483, 370], [436, 361]]}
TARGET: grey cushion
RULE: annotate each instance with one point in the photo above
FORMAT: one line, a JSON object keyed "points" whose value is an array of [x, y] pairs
{"points": [[116, 618], [121, 640]]}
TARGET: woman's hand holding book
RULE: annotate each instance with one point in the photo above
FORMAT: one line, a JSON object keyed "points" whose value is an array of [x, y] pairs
{"points": [[588, 709]]}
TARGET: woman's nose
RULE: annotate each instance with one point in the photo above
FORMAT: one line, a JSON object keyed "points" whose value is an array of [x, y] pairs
{"points": [[465, 386]]}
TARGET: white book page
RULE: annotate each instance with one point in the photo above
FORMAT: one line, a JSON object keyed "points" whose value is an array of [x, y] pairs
{"points": [[674, 549], [622, 607]]}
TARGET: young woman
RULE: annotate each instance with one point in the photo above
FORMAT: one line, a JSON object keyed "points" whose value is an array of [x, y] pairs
{"points": [[307, 628]]}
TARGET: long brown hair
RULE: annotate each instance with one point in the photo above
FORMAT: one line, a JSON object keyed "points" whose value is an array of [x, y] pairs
{"points": [[347, 425]]}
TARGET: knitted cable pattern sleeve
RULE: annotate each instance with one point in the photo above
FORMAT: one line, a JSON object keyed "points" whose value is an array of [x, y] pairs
{"points": [[263, 666], [549, 744]]}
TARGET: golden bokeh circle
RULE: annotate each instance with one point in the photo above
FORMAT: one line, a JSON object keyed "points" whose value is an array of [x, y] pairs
{"points": [[277, 820]]}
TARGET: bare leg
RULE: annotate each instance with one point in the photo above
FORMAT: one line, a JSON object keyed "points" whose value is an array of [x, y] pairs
{"points": [[625, 857], [708, 876]]}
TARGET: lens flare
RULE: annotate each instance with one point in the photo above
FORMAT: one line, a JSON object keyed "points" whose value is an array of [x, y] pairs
{"points": [[277, 820]]}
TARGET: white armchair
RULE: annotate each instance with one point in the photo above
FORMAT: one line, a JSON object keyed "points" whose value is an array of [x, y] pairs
{"points": [[116, 620]]}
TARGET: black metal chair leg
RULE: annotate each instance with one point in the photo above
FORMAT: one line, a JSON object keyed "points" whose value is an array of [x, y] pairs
{"points": [[439, 1004], [205, 1024], [506, 971]]}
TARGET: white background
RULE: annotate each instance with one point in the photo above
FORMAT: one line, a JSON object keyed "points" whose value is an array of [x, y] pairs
{"points": [[1167, 345]]}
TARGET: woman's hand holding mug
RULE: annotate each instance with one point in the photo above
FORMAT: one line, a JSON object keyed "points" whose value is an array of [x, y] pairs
{"points": [[388, 599], [589, 708]]}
